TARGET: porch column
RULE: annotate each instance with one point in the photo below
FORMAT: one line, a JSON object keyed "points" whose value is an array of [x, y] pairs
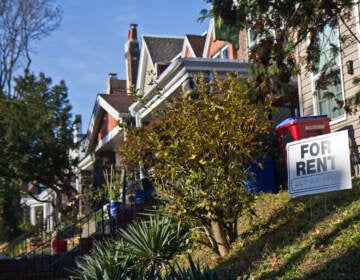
{"points": [[32, 215]]}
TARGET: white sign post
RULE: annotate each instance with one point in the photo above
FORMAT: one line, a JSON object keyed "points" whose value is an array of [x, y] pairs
{"points": [[319, 164]]}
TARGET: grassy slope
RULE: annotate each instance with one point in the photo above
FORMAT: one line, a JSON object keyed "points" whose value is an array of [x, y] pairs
{"points": [[315, 237]]}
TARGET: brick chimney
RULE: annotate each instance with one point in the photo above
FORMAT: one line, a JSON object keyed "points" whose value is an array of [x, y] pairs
{"points": [[115, 86], [132, 55]]}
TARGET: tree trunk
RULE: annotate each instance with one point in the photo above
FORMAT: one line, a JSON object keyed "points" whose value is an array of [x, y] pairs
{"points": [[219, 236]]}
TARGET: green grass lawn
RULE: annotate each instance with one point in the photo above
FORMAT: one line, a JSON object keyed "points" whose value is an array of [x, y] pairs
{"points": [[310, 237]]}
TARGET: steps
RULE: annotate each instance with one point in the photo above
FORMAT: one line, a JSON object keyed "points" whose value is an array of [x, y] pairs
{"points": [[40, 264]]}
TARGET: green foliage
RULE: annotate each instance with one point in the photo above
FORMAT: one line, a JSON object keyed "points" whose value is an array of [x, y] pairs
{"points": [[279, 28], [310, 237], [142, 252], [101, 266], [35, 136], [42, 135], [198, 150], [112, 186], [104, 262], [153, 242], [304, 19], [68, 227], [313, 237], [194, 271]]}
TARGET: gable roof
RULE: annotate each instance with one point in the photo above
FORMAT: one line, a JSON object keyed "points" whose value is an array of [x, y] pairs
{"points": [[116, 105], [120, 102], [210, 40], [156, 54], [163, 49], [174, 78], [196, 43]]}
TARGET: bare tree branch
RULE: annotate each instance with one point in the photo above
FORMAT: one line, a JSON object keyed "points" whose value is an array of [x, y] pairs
{"points": [[21, 23]]}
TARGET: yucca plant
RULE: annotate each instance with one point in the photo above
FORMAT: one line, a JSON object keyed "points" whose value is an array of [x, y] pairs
{"points": [[105, 262], [193, 272], [153, 242], [143, 251]]}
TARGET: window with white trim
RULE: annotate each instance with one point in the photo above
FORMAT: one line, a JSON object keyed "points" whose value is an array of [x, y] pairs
{"points": [[251, 38], [223, 53], [357, 20], [328, 88]]}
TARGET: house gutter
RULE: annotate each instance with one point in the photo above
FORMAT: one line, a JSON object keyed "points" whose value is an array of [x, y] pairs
{"points": [[174, 75], [86, 162]]}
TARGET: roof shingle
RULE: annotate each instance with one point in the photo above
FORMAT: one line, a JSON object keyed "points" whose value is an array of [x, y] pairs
{"points": [[120, 102], [197, 43], [163, 49]]}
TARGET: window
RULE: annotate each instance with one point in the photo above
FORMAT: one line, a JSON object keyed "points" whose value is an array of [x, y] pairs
{"points": [[251, 38], [328, 87], [217, 55], [327, 101], [223, 53], [357, 20]]}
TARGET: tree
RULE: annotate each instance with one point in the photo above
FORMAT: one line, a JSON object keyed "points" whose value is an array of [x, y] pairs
{"points": [[199, 150], [36, 135], [278, 29], [21, 23]]}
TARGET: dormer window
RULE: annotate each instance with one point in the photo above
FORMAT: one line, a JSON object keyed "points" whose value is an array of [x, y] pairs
{"points": [[223, 53]]}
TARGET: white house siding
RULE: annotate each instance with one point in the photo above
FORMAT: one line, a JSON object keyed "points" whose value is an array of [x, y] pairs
{"points": [[148, 77], [305, 90], [351, 122]]}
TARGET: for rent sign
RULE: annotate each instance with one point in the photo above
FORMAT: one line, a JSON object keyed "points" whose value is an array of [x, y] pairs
{"points": [[319, 164]]}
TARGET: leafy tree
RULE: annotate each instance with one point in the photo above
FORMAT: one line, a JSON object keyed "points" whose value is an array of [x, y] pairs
{"points": [[278, 29], [198, 150], [21, 23], [36, 134]]}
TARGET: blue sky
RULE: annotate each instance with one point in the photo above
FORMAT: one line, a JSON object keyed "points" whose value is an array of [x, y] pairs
{"points": [[90, 41]]}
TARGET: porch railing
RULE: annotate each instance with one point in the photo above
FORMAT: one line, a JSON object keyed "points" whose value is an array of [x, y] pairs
{"points": [[97, 223]]}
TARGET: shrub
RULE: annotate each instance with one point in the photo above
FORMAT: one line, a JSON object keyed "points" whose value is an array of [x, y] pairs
{"points": [[153, 242]]}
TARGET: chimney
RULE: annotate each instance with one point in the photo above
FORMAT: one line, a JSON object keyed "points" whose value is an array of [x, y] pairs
{"points": [[132, 55], [132, 33], [109, 82], [77, 129]]}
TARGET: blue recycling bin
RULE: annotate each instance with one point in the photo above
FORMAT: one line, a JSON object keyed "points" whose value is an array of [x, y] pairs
{"points": [[114, 207], [139, 196], [263, 179]]}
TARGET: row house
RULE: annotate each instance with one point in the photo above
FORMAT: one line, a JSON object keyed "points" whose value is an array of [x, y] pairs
{"points": [[345, 64], [174, 61], [98, 150], [104, 136], [167, 63]]}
